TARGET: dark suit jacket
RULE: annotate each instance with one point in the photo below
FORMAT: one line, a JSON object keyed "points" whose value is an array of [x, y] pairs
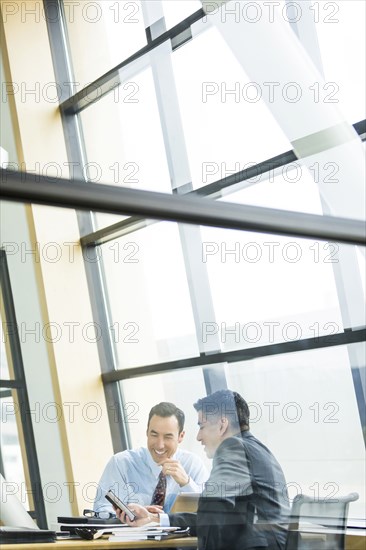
{"points": [[244, 501]]}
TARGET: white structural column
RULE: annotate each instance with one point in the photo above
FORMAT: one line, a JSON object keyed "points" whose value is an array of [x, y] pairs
{"points": [[302, 21], [180, 176]]}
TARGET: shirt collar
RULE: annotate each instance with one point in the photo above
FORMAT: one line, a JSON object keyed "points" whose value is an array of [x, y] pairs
{"points": [[154, 467]]}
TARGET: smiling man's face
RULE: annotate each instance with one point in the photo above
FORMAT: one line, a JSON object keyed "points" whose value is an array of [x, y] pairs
{"points": [[163, 437], [210, 433]]}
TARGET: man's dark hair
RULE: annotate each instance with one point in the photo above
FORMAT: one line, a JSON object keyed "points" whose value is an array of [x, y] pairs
{"points": [[227, 403], [166, 409]]}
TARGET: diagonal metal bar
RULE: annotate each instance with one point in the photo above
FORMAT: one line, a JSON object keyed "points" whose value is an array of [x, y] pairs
{"points": [[103, 85], [24, 187], [115, 231]]}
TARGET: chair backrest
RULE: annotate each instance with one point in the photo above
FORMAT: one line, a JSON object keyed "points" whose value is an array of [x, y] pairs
{"points": [[186, 502], [318, 523]]}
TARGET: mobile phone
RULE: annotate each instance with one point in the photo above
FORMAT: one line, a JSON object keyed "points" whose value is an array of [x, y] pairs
{"points": [[117, 503]]}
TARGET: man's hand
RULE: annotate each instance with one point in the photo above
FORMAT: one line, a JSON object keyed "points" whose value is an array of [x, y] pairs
{"points": [[143, 515], [175, 469], [154, 509]]}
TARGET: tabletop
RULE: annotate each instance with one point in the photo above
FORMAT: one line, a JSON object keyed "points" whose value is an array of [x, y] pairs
{"points": [[103, 544], [355, 540]]}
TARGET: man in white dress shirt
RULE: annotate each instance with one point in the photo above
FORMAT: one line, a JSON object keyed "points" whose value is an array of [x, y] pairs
{"points": [[133, 475]]}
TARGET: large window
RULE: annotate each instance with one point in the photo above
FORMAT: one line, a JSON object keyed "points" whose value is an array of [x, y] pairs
{"points": [[313, 428], [177, 106], [18, 457]]}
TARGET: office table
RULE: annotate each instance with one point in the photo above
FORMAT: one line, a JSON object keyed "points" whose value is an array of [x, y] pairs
{"points": [[355, 540], [103, 544]]}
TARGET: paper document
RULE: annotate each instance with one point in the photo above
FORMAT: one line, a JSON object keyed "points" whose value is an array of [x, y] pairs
{"points": [[149, 531]]}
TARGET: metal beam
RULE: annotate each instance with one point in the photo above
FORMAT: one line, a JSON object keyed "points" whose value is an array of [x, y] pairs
{"points": [[340, 339], [215, 190], [14, 384], [33, 188], [103, 85], [115, 231]]}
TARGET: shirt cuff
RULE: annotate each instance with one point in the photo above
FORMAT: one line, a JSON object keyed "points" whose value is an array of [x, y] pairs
{"points": [[192, 487], [164, 520]]}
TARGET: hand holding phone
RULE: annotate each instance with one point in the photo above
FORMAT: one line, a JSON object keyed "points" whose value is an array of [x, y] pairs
{"points": [[117, 503]]}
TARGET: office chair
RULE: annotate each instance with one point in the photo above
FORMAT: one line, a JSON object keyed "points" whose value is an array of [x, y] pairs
{"points": [[318, 523]]}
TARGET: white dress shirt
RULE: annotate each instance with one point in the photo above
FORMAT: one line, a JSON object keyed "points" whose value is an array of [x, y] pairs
{"points": [[133, 474]]}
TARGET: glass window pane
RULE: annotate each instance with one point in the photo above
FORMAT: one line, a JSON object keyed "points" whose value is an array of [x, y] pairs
{"points": [[260, 289], [101, 220], [102, 34], [182, 388], [226, 124], [290, 187], [268, 288], [341, 35], [151, 313], [11, 453], [4, 365], [304, 407], [361, 266], [123, 137], [176, 11]]}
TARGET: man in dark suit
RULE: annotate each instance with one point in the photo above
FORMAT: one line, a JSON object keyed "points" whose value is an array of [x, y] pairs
{"points": [[244, 504]]}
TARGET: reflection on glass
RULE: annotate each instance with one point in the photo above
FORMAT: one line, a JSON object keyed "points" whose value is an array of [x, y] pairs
{"points": [[183, 388], [341, 35], [4, 366], [303, 406], [123, 137], [151, 313], [290, 187], [102, 34], [10, 447], [222, 111], [264, 289], [176, 11], [102, 220], [361, 265], [268, 288]]}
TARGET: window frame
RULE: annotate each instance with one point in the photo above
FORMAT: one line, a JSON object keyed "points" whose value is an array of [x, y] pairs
{"points": [[18, 383], [70, 107]]}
